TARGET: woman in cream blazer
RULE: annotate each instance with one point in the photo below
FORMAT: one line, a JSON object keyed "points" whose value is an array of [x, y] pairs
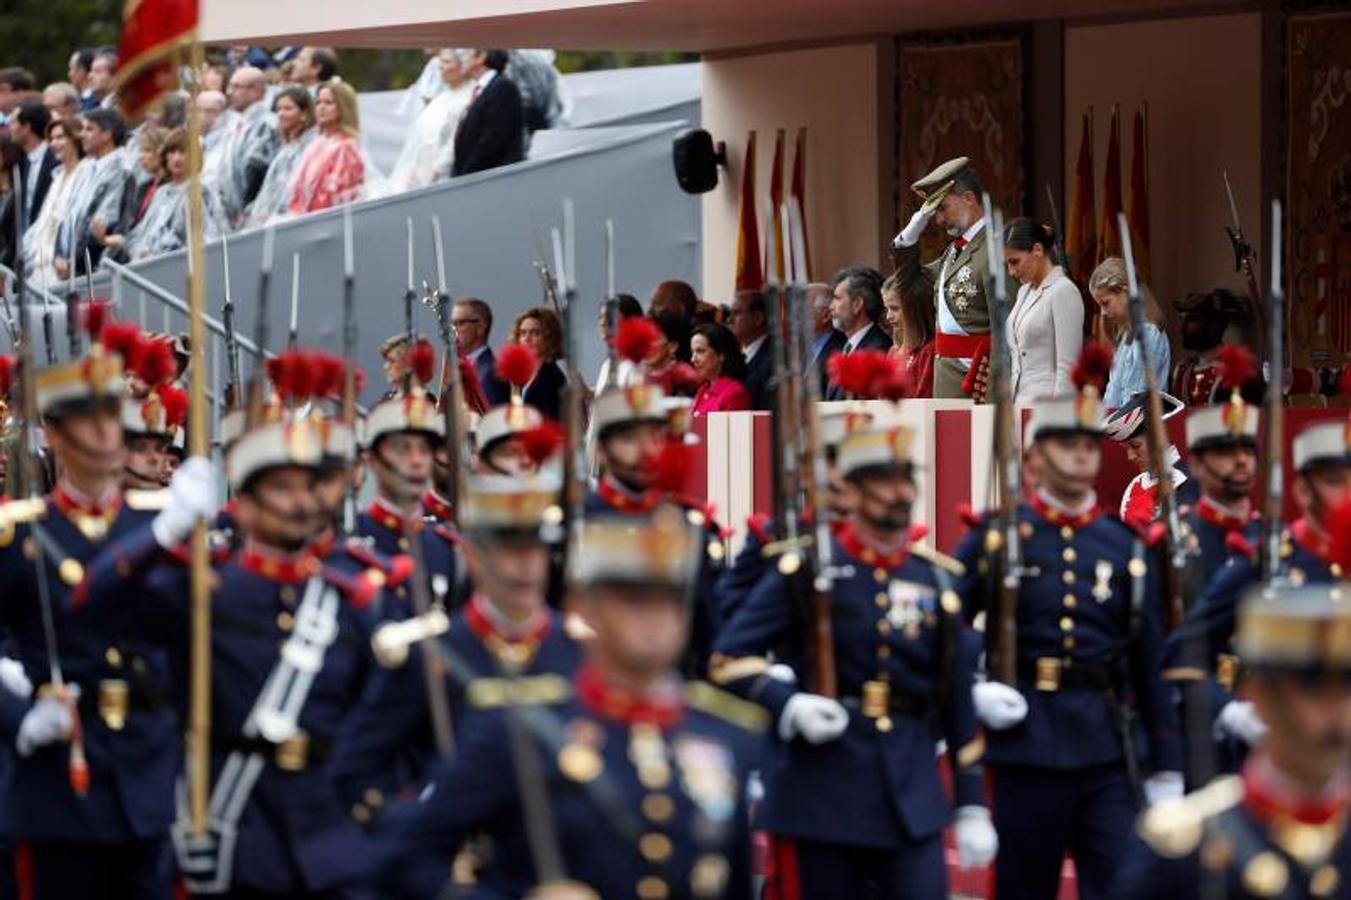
{"points": [[1046, 325]]}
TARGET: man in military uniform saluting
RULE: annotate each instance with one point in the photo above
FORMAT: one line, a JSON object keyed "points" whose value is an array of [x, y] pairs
{"points": [[1279, 828], [633, 784], [853, 799], [1062, 749], [90, 812], [957, 278]]}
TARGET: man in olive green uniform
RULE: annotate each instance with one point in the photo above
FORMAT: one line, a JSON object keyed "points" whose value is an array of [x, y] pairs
{"points": [[952, 199]]}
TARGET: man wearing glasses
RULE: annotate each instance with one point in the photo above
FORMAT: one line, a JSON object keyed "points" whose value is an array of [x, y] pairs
{"points": [[473, 321]]}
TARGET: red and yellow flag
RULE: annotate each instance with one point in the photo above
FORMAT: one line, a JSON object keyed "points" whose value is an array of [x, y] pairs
{"points": [[775, 251], [154, 32], [798, 192], [1137, 201], [1109, 235], [1081, 234], [749, 276]]}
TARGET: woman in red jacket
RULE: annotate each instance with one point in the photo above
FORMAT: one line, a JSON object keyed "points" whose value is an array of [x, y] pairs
{"points": [[717, 360]]}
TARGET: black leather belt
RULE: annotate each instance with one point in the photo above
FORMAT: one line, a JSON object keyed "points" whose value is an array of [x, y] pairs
{"points": [[1055, 673], [914, 706]]}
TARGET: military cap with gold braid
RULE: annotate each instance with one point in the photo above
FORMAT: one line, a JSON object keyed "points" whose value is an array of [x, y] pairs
{"points": [[412, 409], [509, 504], [934, 186], [1322, 444], [1230, 424], [1080, 412], [635, 400], [97, 379], [663, 549], [1305, 629], [293, 442]]}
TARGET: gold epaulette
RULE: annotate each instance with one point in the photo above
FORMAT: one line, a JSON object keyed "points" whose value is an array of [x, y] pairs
{"points": [[726, 669], [1174, 828], [19, 512], [146, 501], [536, 690], [942, 560], [745, 715]]}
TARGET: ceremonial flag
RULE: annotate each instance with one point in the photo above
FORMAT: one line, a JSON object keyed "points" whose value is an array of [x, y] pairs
{"points": [[1109, 235], [775, 256], [153, 34], [749, 276], [1137, 201], [798, 192], [1081, 236]]}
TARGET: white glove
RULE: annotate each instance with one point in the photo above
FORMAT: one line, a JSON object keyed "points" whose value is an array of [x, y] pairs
{"points": [[48, 721], [14, 679], [998, 706], [977, 841], [1163, 786], [909, 235], [782, 672], [192, 496], [816, 719], [1238, 719]]}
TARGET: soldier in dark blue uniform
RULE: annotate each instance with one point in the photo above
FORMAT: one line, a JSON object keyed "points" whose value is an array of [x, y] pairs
{"points": [[1279, 829], [506, 628], [290, 639], [853, 798], [400, 436], [90, 816], [640, 782], [1202, 647], [1061, 748], [498, 438]]}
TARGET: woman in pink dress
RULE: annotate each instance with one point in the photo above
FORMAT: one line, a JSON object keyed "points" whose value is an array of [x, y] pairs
{"points": [[717, 360], [911, 321], [330, 172]]}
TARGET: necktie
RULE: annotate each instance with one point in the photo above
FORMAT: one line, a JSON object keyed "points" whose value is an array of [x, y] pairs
{"points": [[960, 244], [474, 94]]}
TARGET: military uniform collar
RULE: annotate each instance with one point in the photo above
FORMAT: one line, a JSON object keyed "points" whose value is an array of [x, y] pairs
{"points": [[92, 517], [388, 516], [662, 708], [621, 498], [274, 565], [487, 627], [1269, 797], [438, 507], [1056, 514], [1219, 515], [1312, 538], [323, 545], [855, 546]]}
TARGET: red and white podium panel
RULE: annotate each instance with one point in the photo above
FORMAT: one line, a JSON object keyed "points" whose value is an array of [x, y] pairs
{"points": [[952, 452]]}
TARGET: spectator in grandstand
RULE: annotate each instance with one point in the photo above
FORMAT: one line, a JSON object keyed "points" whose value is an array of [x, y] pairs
{"points": [[538, 328], [294, 109], [429, 150], [39, 243], [910, 318], [492, 130], [721, 368], [62, 100], [331, 171]]}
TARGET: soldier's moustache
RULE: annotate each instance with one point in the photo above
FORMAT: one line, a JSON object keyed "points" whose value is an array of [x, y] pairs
{"points": [[405, 486]]}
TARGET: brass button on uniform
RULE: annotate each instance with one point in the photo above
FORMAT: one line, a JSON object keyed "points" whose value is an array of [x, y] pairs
{"points": [[114, 657], [883, 627], [1068, 555], [652, 888], [880, 576], [882, 600], [403, 543], [287, 594], [1070, 601], [1066, 623], [285, 621], [655, 847], [1066, 532], [1068, 643], [658, 808], [1068, 577]]}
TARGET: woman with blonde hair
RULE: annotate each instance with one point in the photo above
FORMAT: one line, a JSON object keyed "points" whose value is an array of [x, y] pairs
{"points": [[1111, 291], [331, 171]]}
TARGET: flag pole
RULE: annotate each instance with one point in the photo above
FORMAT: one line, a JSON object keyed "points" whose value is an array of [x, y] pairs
{"points": [[199, 709]]}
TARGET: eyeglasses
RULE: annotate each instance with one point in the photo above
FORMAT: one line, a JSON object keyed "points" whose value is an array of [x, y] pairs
{"points": [[460, 322]]}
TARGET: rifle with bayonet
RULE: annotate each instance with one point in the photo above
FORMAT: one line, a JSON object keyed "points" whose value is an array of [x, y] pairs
{"points": [[1003, 544], [258, 378], [349, 358], [451, 400], [293, 331], [1273, 416], [1060, 254], [233, 386], [577, 471], [1244, 261]]}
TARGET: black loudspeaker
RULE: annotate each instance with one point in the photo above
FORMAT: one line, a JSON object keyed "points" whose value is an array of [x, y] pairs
{"points": [[696, 160]]}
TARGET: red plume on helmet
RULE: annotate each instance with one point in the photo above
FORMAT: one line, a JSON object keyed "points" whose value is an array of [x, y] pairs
{"points": [[97, 313], [293, 376], [517, 365], [155, 364], [1238, 366], [422, 362], [330, 374], [679, 379], [894, 384], [671, 466], [8, 366], [471, 387], [1092, 367], [636, 338], [542, 442], [858, 373], [124, 339], [175, 402]]}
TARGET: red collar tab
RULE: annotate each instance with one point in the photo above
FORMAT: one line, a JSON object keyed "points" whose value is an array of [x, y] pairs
{"points": [[1312, 538], [395, 569], [1268, 800], [481, 622], [621, 500], [277, 566], [438, 507], [855, 547], [624, 706], [323, 544], [1210, 511], [66, 500], [387, 516], [1056, 517]]}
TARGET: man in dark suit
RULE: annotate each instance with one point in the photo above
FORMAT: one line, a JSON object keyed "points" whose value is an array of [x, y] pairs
{"points": [[826, 341], [29, 130], [748, 319], [492, 130], [473, 321], [855, 308]]}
